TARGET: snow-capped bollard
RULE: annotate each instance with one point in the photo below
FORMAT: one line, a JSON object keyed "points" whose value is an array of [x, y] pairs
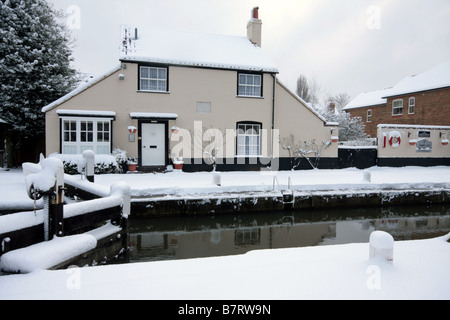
{"points": [[89, 159], [367, 176], [217, 179], [381, 245]]}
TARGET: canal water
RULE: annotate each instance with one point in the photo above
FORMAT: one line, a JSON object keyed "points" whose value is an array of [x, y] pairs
{"points": [[156, 239]]}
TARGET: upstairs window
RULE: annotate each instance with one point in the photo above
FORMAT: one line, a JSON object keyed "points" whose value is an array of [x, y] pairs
{"points": [[153, 79], [397, 107], [369, 115], [412, 105], [250, 85]]}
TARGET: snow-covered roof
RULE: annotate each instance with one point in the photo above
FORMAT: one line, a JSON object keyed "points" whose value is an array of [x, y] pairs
{"points": [[435, 78], [2, 121], [366, 99], [180, 47], [85, 84]]}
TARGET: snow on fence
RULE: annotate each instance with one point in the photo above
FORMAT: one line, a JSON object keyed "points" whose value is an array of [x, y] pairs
{"points": [[59, 227]]}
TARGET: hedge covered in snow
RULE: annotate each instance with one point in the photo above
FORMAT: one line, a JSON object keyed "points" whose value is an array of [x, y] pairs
{"points": [[74, 163]]}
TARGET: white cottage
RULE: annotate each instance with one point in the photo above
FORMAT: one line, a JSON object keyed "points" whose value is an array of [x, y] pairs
{"points": [[180, 94]]}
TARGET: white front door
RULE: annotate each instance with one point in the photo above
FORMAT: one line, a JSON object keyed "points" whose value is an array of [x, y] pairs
{"points": [[153, 144]]}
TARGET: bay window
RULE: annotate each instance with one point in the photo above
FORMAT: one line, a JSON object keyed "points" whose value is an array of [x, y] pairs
{"points": [[81, 134]]}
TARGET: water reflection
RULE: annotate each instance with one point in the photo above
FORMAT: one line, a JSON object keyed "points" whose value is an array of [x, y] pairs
{"points": [[193, 237]]}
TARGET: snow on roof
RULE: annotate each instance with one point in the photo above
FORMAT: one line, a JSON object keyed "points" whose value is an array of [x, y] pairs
{"points": [[93, 113], [366, 99], [435, 78], [153, 115], [86, 83], [2, 121], [179, 47]]}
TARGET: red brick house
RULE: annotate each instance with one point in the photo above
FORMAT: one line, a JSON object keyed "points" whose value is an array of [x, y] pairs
{"points": [[422, 99]]}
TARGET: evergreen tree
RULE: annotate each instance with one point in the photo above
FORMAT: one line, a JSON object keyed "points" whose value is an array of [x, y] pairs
{"points": [[35, 57]]}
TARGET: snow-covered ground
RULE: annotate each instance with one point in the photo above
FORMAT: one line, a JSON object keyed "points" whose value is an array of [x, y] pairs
{"points": [[419, 271], [180, 184]]}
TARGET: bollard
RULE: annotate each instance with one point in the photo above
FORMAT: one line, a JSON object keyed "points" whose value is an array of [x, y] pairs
{"points": [[217, 180], [89, 159], [381, 245], [367, 176]]}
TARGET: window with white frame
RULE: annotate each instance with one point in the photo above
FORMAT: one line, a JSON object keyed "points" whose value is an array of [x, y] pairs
{"points": [[397, 107], [250, 85], [412, 105], [369, 115], [153, 79], [248, 139], [81, 134]]}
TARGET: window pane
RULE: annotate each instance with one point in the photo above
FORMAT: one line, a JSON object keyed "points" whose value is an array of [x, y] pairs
{"points": [[153, 73], [144, 72], [162, 74]]}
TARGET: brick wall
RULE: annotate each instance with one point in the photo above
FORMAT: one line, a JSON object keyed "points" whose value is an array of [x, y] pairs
{"points": [[431, 108]]}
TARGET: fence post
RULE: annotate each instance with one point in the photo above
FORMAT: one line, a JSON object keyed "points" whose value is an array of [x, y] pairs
{"points": [[89, 159], [125, 191]]}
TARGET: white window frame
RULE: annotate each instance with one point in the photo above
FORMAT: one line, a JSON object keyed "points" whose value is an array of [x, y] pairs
{"points": [[248, 140], [156, 80], [399, 108], [90, 138], [369, 115], [249, 85], [412, 106]]}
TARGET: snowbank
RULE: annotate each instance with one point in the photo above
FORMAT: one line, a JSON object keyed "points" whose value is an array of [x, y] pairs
{"points": [[420, 271], [45, 255]]}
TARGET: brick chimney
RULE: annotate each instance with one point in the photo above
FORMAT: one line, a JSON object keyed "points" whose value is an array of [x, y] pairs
{"points": [[254, 27]]}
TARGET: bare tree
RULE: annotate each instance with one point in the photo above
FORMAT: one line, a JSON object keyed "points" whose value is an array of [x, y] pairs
{"points": [[341, 100], [309, 150], [303, 88]]}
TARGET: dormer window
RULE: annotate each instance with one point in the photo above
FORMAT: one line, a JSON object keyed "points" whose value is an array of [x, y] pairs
{"points": [[249, 85], [153, 79]]}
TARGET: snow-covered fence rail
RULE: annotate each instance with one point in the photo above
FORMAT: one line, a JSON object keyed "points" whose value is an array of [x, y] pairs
{"points": [[102, 218], [27, 228]]}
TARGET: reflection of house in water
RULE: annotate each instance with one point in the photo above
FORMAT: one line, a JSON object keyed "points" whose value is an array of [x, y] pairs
{"points": [[220, 242], [216, 241], [405, 228]]}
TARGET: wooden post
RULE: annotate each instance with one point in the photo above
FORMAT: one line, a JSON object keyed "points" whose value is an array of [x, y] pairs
{"points": [[89, 159], [54, 205]]}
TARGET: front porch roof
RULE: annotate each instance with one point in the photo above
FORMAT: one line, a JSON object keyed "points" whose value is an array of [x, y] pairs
{"points": [[153, 115]]}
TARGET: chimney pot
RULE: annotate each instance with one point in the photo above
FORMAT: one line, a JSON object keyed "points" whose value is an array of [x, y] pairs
{"points": [[254, 28], [255, 13]]}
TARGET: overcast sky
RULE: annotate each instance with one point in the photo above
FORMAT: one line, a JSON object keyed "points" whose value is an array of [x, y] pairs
{"points": [[346, 45]]}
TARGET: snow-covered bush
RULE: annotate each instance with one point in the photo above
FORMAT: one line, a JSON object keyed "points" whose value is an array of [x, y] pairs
{"points": [[73, 163]]}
